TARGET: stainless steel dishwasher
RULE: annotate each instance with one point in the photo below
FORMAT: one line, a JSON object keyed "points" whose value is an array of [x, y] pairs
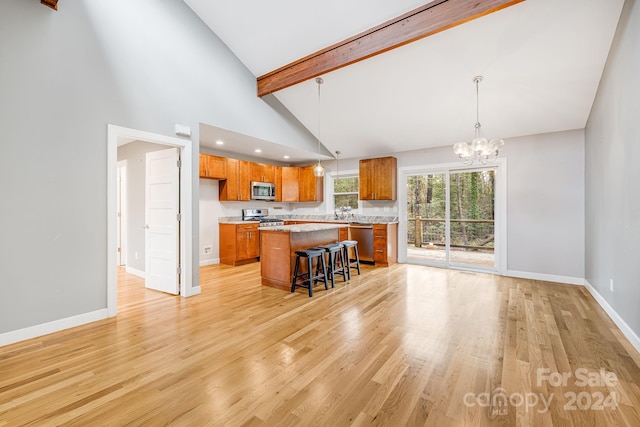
{"points": [[363, 233]]}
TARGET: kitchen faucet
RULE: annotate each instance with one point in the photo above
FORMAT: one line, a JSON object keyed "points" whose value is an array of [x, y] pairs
{"points": [[345, 212]]}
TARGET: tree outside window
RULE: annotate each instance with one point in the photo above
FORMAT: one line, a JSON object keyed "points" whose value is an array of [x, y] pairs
{"points": [[345, 192]]}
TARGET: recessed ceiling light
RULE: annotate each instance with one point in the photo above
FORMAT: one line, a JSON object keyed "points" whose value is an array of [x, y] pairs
{"points": [[258, 150], [219, 142], [286, 157]]}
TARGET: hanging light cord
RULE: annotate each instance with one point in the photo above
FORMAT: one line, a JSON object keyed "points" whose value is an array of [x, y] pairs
{"points": [[319, 81], [477, 125]]}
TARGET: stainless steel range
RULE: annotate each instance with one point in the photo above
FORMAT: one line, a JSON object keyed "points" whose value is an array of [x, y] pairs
{"points": [[261, 215]]}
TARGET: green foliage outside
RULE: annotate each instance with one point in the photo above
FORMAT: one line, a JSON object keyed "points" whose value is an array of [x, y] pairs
{"points": [[471, 198], [348, 186]]}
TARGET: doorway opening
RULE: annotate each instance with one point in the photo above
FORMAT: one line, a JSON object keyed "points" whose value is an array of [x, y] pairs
{"points": [[454, 217], [118, 136]]}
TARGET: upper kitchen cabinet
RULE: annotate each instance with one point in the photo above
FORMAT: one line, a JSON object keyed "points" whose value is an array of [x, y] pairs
{"points": [[289, 187], [277, 172], [213, 167], [378, 178], [311, 187], [262, 172], [237, 186]]}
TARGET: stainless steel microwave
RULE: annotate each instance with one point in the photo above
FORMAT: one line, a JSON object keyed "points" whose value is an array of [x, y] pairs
{"points": [[263, 190]]}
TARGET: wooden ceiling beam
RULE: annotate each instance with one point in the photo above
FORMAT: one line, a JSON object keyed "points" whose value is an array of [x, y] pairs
{"points": [[422, 22], [53, 4]]}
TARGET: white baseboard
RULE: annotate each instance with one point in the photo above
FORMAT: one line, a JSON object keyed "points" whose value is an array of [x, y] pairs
{"points": [[545, 277], [50, 327], [196, 290], [135, 272], [624, 328], [209, 262]]}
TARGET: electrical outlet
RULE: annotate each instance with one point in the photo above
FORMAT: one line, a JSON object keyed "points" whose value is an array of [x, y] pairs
{"points": [[206, 250], [611, 285]]}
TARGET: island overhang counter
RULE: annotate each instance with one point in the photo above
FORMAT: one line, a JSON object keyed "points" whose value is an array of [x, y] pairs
{"points": [[278, 246]]}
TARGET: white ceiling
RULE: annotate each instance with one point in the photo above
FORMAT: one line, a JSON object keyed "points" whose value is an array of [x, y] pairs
{"points": [[541, 60], [247, 146]]}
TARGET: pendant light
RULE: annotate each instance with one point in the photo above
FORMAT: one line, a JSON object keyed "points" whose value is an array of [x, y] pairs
{"points": [[480, 148], [318, 170]]}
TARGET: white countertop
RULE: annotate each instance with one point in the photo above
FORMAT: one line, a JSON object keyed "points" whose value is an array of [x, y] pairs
{"points": [[304, 228]]}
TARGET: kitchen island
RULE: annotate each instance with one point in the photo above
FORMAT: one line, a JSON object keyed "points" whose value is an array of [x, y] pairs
{"points": [[278, 246]]}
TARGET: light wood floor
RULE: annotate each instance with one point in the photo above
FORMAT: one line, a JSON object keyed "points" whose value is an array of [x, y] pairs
{"points": [[407, 345]]}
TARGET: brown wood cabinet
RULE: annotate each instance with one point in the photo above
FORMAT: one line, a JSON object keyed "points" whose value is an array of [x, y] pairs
{"points": [[237, 186], [277, 179], [378, 178], [293, 184], [278, 253], [239, 243], [385, 244], [290, 177], [344, 233], [213, 167], [311, 187], [262, 172]]}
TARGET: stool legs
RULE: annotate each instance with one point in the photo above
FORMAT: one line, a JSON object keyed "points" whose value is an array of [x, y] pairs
{"points": [[324, 272], [356, 263], [295, 274], [308, 278], [355, 251], [336, 264]]}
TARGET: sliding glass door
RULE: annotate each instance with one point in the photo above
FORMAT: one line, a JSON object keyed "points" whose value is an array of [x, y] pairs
{"points": [[426, 218], [471, 216], [451, 218]]}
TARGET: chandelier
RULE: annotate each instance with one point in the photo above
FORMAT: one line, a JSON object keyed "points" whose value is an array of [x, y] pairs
{"points": [[480, 148], [318, 170]]}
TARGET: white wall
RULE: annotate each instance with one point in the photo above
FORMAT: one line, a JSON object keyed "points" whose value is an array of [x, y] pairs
{"points": [[210, 211], [545, 205], [66, 75], [613, 178]]}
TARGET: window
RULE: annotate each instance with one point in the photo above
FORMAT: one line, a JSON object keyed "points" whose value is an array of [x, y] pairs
{"points": [[345, 191]]}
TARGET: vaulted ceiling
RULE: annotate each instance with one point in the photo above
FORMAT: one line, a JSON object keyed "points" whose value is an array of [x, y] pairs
{"points": [[541, 60]]}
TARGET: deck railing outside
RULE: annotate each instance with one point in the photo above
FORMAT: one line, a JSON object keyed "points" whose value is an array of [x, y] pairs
{"points": [[468, 234]]}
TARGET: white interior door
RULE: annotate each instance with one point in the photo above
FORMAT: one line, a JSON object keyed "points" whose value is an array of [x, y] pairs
{"points": [[121, 201], [161, 221], [119, 217]]}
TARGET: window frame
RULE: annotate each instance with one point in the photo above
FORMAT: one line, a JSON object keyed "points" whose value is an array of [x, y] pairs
{"points": [[330, 194]]}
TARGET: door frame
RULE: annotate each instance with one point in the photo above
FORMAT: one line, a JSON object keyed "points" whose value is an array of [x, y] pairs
{"points": [[500, 208], [121, 194], [116, 136]]}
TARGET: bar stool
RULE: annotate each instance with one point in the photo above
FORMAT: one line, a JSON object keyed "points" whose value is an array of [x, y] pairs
{"points": [[351, 264], [336, 261], [308, 277]]}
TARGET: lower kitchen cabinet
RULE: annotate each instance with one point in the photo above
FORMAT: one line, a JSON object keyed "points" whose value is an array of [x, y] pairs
{"points": [[385, 244], [344, 233], [239, 243]]}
